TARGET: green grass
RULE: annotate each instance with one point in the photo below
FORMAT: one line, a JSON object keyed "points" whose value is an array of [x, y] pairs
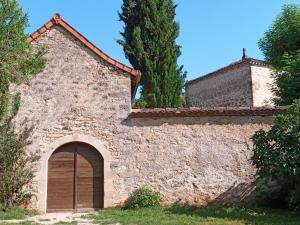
{"points": [[15, 213], [188, 215], [23, 223], [66, 223]]}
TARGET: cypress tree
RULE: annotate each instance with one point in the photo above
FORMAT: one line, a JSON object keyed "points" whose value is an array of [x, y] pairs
{"points": [[149, 42]]}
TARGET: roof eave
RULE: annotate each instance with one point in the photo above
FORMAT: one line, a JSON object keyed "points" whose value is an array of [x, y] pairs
{"points": [[57, 20]]}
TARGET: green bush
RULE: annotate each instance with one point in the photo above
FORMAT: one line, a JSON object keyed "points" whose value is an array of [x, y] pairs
{"points": [[277, 157], [144, 197], [16, 167]]}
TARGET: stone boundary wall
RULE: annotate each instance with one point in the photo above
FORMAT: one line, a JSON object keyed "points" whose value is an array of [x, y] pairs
{"points": [[79, 97], [194, 160]]}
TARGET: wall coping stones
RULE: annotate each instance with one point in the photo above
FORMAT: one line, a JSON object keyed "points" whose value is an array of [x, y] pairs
{"points": [[210, 112]]}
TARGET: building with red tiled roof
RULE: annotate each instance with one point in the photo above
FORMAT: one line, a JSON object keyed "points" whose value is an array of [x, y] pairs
{"points": [[96, 150], [244, 83]]}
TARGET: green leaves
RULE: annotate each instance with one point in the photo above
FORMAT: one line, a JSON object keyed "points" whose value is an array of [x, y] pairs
{"points": [[281, 47], [287, 79], [283, 36], [16, 167], [18, 63], [277, 153], [149, 42], [144, 197]]}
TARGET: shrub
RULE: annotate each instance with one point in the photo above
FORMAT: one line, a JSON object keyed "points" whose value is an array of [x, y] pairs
{"points": [[144, 197], [16, 167], [277, 157]]}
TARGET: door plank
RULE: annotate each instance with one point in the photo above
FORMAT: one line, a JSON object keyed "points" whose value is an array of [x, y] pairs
{"points": [[61, 179]]}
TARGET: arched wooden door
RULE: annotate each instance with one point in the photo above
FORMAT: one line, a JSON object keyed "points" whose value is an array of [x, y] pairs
{"points": [[75, 178]]}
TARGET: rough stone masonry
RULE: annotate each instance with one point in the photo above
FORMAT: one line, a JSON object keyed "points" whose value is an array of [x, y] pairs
{"points": [[82, 97]]}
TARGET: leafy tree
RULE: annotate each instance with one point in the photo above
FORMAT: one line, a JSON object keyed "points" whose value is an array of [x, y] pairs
{"points": [[287, 80], [281, 47], [277, 152], [18, 63], [17, 60], [140, 103], [149, 42], [277, 155], [16, 167], [283, 37]]}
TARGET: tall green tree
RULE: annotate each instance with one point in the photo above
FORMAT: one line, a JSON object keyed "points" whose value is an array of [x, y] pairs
{"points": [[277, 157], [149, 42], [283, 36], [18, 63], [17, 60], [277, 151], [281, 48]]}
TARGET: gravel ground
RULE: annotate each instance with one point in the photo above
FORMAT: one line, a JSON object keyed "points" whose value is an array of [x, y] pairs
{"points": [[53, 218]]}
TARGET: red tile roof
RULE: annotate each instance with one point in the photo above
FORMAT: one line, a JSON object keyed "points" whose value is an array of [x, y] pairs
{"points": [[57, 20], [199, 112], [245, 61]]}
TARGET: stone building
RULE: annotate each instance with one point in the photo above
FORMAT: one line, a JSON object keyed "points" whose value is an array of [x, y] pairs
{"points": [[245, 83], [96, 150]]}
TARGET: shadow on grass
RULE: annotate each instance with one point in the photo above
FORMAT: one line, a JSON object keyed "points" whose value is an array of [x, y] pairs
{"points": [[250, 216]]}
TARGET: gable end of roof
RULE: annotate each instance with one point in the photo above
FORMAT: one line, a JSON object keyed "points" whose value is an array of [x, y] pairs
{"points": [[232, 66], [57, 20]]}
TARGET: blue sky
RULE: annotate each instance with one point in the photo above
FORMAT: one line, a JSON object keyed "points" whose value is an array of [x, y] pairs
{"points": [[213, 32]]}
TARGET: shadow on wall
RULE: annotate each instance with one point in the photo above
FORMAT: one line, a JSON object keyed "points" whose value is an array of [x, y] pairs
{"points": [[243, 194], [240, 203], [214, 120]]}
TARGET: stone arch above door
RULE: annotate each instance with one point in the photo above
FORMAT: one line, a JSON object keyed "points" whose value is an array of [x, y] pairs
{"points": [[90, 140]]}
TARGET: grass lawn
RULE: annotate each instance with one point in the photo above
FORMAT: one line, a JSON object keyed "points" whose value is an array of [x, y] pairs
{"points": [[187, 215], [15, 213]]}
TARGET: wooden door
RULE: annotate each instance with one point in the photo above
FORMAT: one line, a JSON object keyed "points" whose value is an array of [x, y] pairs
{"points": [[89, 179], [61, 179], [75, 178]]}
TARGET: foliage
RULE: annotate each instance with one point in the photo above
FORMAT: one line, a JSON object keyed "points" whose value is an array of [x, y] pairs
{"points": [[18, 63], [283, 37], [191, 215], [281, 47], [144, 197], [149, 42], [140, 103], [287, 80], [277, 155], [17, 60], [16, 167]]}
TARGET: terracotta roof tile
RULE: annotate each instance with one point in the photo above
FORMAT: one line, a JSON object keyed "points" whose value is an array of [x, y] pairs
{"points": [[58, 21], [199, 112]]}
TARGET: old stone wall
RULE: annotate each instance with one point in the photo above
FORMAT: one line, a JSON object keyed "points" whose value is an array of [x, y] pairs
{"points": [[80, 97], [192, 160], [232, 88], [76, 93]]}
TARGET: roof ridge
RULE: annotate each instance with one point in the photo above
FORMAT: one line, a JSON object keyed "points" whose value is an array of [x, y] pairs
{"points": [[57, 20], [250, 61]]}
